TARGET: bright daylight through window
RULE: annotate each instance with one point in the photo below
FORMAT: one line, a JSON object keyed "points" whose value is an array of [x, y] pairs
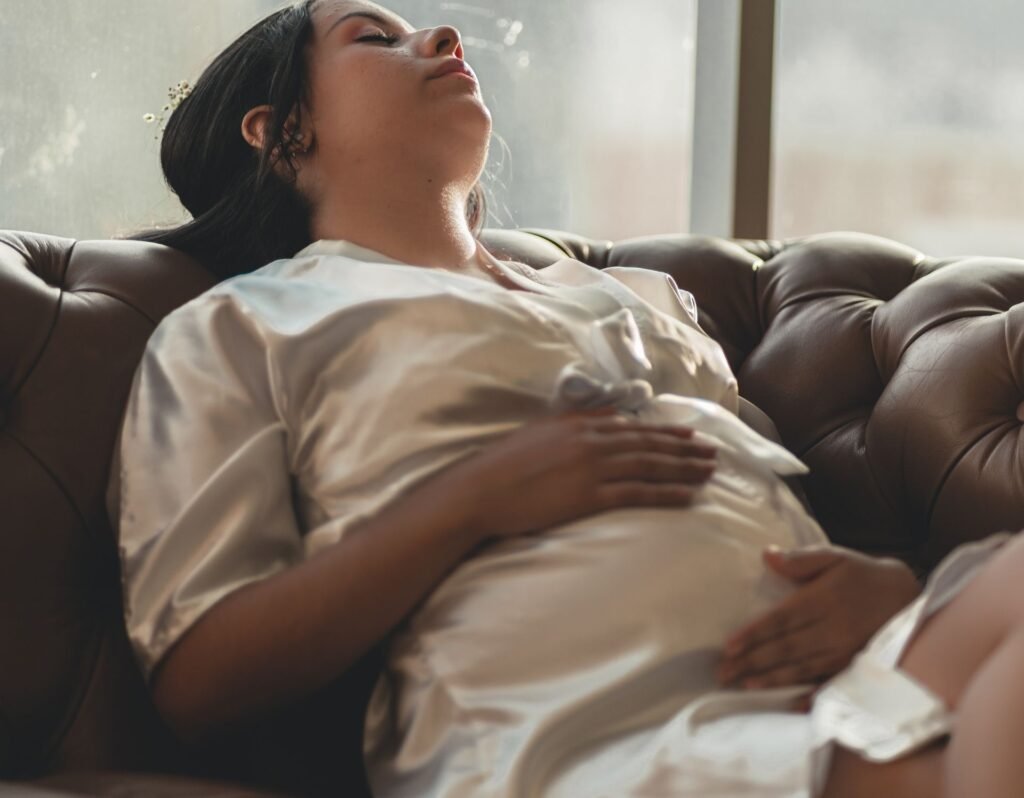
{"points": [[901, 119], [596, 109]]}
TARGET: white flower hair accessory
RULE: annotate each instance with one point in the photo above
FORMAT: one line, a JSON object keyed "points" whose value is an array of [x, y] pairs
{"points": [[176, 95]]}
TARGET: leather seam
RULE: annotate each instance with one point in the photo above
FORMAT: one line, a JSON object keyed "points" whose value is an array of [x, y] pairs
{"points": [[556, 244], [942, 322], [758, 308], [1009, 352], [116, 298], [863, 441], [53, 477], [967, 450], [952, 467], [78, 700], [49, 333], [79, 695], [870, 468]]}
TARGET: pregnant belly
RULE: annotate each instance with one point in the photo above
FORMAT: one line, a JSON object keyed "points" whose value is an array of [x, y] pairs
{"points": [[610, 590], [575, 645]]}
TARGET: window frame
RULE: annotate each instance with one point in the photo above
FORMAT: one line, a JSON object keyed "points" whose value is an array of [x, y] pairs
{"points": [[730, 186]]}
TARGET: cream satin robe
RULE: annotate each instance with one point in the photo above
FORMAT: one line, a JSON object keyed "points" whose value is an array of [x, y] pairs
{"points": [[280, 408]]}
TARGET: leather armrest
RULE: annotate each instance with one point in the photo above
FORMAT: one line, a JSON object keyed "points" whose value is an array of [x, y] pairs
{"points": [[127, 785]]}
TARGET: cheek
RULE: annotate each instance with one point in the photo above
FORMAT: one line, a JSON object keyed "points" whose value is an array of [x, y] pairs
{"points": [[363, 100]]}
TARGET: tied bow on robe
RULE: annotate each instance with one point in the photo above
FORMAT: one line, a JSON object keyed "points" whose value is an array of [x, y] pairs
{"points": [[617, 375]]}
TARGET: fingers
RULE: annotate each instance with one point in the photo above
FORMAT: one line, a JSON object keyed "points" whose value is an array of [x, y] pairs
{"points": [[785, 655], [792, 614], [809, 670], [613, 441], [600, 412], [616, 422], [611, 432], [806, 637], [803, 565], [612, 495], [803, 703], [655, 467]]}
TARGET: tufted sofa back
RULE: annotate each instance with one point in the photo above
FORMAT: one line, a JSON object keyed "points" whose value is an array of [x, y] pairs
{"points": [[74, 318], [898, 378]]}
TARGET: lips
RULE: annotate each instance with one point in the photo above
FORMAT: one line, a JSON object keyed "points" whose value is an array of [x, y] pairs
{"points": [[453, 65]]}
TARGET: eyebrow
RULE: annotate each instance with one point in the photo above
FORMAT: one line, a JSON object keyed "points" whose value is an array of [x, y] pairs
{"points": [[378, 18]]}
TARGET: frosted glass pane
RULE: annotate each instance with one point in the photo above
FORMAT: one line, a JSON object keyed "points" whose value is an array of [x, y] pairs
{"points": [[902, 118], [76, 159], [594, 100]]}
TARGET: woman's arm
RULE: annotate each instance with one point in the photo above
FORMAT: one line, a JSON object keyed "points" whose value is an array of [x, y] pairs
{"points": [[279, 638], [276, 640]]}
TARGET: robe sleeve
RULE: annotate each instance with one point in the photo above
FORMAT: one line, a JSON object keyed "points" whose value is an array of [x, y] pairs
{"points": [[201, 480]]}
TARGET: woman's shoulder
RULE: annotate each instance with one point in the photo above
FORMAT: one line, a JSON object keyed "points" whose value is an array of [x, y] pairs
{"points": [[247, 294], [233, 312], [288, 296]]}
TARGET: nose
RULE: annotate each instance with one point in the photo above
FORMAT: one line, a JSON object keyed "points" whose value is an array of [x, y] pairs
{"points": [[444, 40]]}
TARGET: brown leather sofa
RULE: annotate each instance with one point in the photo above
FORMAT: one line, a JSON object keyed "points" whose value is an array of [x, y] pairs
{"points": [[898, 378]]}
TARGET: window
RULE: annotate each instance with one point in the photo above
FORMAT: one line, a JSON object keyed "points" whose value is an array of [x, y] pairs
{"points": [[594, 101], [76, 159], [902, 119]]}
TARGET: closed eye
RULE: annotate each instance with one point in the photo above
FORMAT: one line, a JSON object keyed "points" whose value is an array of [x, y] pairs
{"points": [[380, 36]]}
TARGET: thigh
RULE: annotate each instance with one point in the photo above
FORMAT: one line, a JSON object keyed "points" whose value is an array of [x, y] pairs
{"points": [[950, 646], [943, 655], [917, 776]]}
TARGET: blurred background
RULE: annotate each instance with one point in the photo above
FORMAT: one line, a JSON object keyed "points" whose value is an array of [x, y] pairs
{"points": [[903, 118], [896, 117]]}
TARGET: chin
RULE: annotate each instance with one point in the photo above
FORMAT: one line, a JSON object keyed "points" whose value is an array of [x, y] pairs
{"points": [[472, 130]]}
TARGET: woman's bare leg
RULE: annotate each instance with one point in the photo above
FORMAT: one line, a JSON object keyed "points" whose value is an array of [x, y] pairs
{"points": [[971, 654], [985, 756], [917, 776]]}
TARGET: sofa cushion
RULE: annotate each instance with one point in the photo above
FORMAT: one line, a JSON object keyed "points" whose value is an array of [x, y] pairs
{"points": [[74, 318], [896, 377]]}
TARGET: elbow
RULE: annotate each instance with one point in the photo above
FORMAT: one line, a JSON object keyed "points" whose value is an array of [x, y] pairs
{"points": [[178, 691]]}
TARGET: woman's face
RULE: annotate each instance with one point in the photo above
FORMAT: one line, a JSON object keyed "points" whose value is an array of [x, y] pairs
{"points": [[381, 91]]}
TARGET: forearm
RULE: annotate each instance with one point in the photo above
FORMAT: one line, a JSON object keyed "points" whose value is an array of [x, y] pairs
{"points": [[275, 640]]}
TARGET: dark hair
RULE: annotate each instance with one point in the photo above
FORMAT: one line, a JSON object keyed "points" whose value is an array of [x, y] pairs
{"points": [[245, 208]]}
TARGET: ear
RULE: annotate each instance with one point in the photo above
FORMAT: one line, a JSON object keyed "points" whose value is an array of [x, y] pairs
{"points": [[254, 131], [254, 125]]}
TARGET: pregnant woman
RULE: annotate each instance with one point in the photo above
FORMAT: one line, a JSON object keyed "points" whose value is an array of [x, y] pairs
{"points": [[534, 484]]}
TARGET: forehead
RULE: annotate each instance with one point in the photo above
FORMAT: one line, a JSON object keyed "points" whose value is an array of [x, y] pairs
{"points": [[327, 12]]}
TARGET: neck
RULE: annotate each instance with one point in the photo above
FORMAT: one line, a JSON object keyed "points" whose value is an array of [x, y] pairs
{"points": [[423, 224]]}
